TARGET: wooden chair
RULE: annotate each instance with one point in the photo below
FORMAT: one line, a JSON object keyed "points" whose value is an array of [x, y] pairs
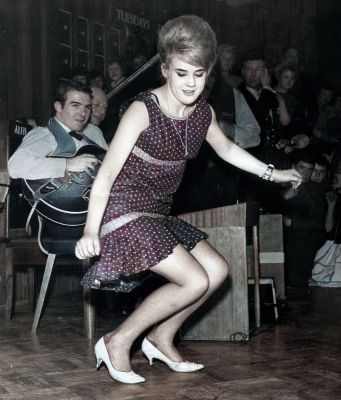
{"points": [[59, 241], [34, 251]]}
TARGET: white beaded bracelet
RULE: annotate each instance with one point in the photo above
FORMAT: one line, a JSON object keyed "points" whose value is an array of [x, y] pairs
{"points": [[267, 176]]}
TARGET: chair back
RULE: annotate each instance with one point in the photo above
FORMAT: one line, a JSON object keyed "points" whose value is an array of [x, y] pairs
{"points": [[18, 208], [4, 186], [58, 239]]}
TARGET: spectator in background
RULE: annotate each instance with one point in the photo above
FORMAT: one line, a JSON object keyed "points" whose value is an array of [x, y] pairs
{"points": [[99, 105], [268, 107], [304, 211], [233, 113], [96, 78], [286, 78], [137, 62], [115, 74], [271, 114], [324, 135], [333, 217], [80, 74], [320, 171], [303, 89]]}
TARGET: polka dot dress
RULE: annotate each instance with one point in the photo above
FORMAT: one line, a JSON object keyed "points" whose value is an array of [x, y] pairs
{"points": [[137, 231]]}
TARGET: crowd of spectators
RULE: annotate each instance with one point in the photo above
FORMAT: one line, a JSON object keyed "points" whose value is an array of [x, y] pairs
{"points": [[299, 122], [282, 116]]}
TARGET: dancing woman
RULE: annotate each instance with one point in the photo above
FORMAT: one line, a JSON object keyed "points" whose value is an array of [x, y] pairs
{"points": [[128, 223]]}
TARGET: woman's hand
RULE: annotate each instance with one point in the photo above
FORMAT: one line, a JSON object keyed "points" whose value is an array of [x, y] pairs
{"points": [[331, 197], [287, 175], [300, 141], [88, 246]]}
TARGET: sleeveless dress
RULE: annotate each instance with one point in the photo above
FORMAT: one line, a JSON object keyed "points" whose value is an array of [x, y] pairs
{"points": [[137, 231]]}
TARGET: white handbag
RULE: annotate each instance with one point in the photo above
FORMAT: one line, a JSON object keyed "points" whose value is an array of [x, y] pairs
{"points": [[327, 263]]}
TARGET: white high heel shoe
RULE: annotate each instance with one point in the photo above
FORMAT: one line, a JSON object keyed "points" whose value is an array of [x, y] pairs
{"points": [[151, 352], [120, 376]]}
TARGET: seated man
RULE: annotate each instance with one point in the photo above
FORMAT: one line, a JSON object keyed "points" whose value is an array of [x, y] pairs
{"points": [[65, 133], [50, 158]]}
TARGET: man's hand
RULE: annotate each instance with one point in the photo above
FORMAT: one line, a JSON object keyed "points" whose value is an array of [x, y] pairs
{"points": [[265, 78], [81, 163]]}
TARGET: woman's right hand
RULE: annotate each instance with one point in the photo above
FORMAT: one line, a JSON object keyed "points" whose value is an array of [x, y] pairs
{"points": [[88, 246], [331, 197]]}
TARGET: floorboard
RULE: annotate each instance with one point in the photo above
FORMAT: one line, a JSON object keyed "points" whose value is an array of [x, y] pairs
{"points": [[298, 358]]}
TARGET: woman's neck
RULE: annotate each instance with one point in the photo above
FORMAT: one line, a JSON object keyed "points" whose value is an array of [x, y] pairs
{"points": [[171, 105]]}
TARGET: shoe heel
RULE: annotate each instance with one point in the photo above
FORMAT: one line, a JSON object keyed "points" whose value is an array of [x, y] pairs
{"points": [[150, 358], [98, 364]]}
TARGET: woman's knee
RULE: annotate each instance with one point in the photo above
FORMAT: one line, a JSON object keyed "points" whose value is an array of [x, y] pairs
{"points": [[218, 273], [199, 283]]}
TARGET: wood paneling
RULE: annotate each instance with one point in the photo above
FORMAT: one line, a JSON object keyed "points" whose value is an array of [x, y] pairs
{"points": [[225, 316]]}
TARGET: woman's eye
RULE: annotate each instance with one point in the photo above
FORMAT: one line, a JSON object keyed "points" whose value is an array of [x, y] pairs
{"points": [[180, 74]]}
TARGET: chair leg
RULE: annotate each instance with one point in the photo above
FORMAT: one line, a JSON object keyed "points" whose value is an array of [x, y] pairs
{"points": [[44, 285], [30, 288], [9, 286], [89, 308]]}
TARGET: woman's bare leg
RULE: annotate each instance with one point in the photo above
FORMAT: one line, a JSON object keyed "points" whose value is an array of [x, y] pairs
{"points": [[216, 268], [188, 282]]}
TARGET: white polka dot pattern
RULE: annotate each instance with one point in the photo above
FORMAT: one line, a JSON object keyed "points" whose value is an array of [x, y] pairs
{"points": [[146, 186]]}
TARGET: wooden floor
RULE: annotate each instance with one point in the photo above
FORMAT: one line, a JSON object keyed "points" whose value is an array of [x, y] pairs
{"points": [[300, 358]]}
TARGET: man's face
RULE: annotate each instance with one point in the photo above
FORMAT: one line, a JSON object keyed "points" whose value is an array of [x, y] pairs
{"points": [[319, 173], [292, 57], [325, 97], [227, 60], [76, 110], [305, 169], [99, 106], [253, 71]]}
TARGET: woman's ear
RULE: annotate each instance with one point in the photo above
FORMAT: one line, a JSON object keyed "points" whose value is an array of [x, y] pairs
{"points": [[164, 70]]}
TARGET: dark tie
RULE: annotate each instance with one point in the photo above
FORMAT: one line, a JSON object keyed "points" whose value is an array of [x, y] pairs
{"points": [[76, 135]]}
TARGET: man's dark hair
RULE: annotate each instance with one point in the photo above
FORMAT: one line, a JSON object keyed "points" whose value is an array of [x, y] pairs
{"points": [[64, 87], [79, 70], [94, 73], [305, 156], [253, 55], [323, 162]]}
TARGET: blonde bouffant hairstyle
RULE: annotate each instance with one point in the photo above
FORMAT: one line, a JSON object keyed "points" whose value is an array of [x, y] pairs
{"points": [[189, 37]]}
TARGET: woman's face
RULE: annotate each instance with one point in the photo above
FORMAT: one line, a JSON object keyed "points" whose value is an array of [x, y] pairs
{"points": [[336, 182], [185, 81], [287, 79], [115, 71]]}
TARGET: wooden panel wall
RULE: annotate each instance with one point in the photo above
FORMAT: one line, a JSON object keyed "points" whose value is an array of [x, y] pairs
{"points": [[32, 34], [29, 36]]}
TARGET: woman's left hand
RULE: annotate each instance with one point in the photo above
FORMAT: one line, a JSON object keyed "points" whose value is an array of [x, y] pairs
{"points": [[287, 175]]}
